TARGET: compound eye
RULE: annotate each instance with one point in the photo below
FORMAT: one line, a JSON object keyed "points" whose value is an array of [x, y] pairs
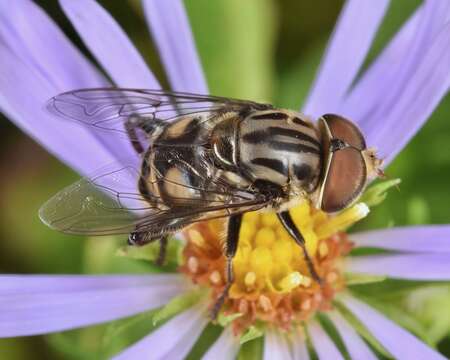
{"points": [[344, 181], [345, 130]]}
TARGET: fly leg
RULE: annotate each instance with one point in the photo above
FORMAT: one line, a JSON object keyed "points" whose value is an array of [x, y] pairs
{"points": [[234, 225], [161, 259], [288, 223], [142, 238], [135, 122]]}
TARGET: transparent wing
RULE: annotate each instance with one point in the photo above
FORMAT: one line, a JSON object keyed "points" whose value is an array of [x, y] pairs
{"points": [[110, 108], [110, 202]]}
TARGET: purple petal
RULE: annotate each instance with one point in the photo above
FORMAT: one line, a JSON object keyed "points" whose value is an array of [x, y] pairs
{"points": [[299, 348], [403, 266], [276, 346], [29, 284], [405, 84], [23, 94], [368, 92], [109, 44], [356, 347], [38, 62], [359, 21], [390, 72], [42, 304], [433, 17], [421, 239], [399, 342], [115, 52], [427, 86], [226, 347], [33, 37], [323, 345], [171, 31], [173, 340]]}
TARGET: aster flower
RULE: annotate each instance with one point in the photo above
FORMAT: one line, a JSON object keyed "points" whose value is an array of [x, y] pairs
{"points": [[272, 295]]}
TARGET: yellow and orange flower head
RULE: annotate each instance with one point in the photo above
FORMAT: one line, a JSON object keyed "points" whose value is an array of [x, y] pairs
{"points": [[272, 283]]}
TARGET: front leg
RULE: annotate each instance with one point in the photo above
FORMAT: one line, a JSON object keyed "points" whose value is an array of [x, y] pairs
{"points": [[234, 226], [135, 122], [289, 225]]}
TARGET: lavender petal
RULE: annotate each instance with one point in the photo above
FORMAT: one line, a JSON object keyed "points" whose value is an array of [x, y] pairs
{"points": [[394, 97], [402, 266], [171, 31], [359, 21], [109, 44], [38, 62], [356, 347], [323, 345], [34, 38], [368, 92], [276, 346], [29, 284], [226, 347], [399, 342], [42, 304], [117, 55], [414, 239], [381, 85], [23, 94], [173, 340], [299, 348], [426, 88]]}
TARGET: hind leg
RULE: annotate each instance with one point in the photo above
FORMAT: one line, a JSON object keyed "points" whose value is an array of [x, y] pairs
{"points": [[142, 238], [161, 259]]}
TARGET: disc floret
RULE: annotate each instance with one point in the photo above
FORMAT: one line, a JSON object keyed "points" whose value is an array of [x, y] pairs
{"points": [[272, 283]]}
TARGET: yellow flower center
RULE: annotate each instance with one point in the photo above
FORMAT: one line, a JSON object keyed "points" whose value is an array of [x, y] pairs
{"points": [[272, 283]]}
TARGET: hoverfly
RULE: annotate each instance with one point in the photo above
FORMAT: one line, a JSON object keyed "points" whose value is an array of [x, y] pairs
{"points": [[198, 157]]}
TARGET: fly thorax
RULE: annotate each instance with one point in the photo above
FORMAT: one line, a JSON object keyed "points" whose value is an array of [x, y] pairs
{"points": [[305, 173], [223, 143], [275, 148]]}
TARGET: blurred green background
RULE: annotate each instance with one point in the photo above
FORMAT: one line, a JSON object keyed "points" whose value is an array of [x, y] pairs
{"points": [[265, 50]]}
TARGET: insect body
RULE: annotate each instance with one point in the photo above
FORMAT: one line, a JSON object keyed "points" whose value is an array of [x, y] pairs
{"points": [[264, 152], [199, 157]]}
